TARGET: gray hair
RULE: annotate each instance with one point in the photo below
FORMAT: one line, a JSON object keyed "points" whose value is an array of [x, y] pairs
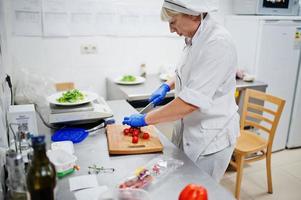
{"points": [[167, 14]]}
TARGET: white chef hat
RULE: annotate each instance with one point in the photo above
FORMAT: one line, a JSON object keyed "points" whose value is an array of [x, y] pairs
{"points": [[191, 7]]}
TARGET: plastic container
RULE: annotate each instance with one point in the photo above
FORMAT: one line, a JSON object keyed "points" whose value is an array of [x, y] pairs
{"points": [[125, 194], [62, 160], [137, 194], [156, 170], [64, 145]]}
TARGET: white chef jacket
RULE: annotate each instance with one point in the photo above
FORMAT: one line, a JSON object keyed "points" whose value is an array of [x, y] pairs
{"points": [[206, 79]]}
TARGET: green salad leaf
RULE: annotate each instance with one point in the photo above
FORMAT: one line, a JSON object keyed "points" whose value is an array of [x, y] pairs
{"points": [[71, 96], [128, 78]]}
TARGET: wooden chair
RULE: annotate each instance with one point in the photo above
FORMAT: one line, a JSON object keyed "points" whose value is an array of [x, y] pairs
{"points": [[64, 86], [258, 114]]}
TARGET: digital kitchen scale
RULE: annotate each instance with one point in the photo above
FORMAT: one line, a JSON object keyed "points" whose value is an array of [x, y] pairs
{"points": [[84, 113]]}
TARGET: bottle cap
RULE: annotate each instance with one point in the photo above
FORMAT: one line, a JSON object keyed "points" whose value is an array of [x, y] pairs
{"points": [[38, 140]]}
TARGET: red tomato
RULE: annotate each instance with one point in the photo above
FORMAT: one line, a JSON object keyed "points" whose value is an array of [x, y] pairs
{"points": [[136, 132], [126, 131], [135, 139], [145, 136], [193, 192]]}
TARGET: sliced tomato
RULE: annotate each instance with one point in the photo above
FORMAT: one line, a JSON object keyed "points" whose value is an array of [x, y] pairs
{"points": [[145, 136], [193, 192]]}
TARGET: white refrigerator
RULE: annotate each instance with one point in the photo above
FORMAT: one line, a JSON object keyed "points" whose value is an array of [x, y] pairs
{"points": [[277, 64]]}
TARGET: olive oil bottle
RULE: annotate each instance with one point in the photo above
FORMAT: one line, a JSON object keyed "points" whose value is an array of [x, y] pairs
{"points": [[41, 177]]}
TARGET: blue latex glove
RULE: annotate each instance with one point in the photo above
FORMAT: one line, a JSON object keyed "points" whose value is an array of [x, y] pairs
{"points": [[158, 96], [135, 120]]}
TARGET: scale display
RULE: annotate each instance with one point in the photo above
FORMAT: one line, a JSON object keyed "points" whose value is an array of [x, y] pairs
{"points": [[276, 3]]}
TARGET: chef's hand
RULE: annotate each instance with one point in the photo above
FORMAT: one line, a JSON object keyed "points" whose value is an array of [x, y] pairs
{"points": [[158, 96], [135, 120]]}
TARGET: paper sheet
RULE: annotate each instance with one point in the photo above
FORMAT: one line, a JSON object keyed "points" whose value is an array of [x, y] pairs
{"points": [[62, 18], [106, 24], [27, 5], [131, 18], [82, 24], [91, 193], [55, 6], [86, 5], [82, 182], [27, 23], [56, 20], [56, 24], [297, 42], [26, 18]]}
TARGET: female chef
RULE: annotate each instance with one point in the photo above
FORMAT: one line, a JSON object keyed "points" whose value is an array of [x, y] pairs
{"points": [[205, 107]]}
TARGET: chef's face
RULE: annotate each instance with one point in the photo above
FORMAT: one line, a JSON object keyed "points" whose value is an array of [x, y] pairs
{"points": [[184, 25]]}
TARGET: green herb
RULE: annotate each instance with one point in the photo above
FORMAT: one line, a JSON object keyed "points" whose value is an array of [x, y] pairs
{"points": [[71, 96], [128, 78]]}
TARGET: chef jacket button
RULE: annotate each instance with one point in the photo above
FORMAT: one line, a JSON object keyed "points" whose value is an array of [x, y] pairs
{"points": [[187, 144]]}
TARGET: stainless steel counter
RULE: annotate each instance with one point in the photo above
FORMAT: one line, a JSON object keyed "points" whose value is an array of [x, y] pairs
{"points": [[134, 92], [93, 150], [143, 91], [258, 85]]}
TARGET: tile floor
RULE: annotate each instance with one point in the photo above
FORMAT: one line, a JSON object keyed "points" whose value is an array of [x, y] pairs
{"points": [[286, 176]]}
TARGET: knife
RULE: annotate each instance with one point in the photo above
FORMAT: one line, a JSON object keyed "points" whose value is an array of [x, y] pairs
{"points": [[147, 108]]}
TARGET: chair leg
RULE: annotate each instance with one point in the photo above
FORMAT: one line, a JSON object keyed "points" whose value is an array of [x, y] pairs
{"points": [[240, 165], [269, 173]]}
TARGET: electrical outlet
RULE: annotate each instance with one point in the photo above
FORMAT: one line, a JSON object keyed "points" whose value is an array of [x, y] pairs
{"points": [[84, 49], [88, 49], [93, 49]]}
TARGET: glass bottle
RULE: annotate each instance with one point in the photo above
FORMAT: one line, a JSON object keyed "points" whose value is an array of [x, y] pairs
{"points": [[16, 182], [41, 177], [143, 70], [25, 147]]}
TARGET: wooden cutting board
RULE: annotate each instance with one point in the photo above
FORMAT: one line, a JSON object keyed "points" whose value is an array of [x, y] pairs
{"points": [[118, 143]]}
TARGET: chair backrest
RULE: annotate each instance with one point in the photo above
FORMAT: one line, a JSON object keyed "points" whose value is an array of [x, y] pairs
{"points": [[262, 112], [64, 86]]}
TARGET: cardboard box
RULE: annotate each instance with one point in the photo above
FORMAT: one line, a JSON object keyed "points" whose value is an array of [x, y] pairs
{"points": [[22, 118]]}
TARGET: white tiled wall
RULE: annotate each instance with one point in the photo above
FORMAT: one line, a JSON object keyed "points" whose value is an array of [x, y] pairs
{"points": [[59, 59]]}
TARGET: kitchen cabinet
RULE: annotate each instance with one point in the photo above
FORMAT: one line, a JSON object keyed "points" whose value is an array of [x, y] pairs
{"points": [[136, 95]]}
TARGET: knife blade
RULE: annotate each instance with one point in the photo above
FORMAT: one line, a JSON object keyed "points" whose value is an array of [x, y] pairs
{"points": [[147, 108]]}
